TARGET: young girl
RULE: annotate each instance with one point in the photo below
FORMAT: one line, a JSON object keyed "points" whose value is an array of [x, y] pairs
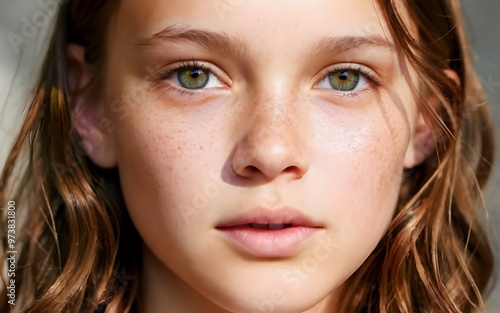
{"points": [[250, 156]]}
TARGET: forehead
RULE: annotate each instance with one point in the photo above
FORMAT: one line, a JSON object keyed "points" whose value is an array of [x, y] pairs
{"points": [[260, 23]]}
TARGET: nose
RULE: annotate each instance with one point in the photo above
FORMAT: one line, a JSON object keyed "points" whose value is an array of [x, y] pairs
{"points": [[273, 143]]}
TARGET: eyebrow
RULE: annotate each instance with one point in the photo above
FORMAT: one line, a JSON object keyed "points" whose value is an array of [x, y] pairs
{"points": [[209, 39], [346, 43], [233, 45]]}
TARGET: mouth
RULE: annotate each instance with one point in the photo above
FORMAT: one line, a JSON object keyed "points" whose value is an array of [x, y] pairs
{"points": [[263, 218], [267, 226], [267, 233]]}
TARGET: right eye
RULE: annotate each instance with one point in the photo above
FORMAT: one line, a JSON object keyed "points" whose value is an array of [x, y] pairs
{"points": [[192, 75]]}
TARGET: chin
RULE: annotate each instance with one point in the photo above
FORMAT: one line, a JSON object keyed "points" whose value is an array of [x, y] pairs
{"points": [[274, 305], [260, 298]]}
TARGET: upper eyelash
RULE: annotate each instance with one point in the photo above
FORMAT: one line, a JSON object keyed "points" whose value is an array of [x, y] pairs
{"points": [[183, 65], [358, 68]]}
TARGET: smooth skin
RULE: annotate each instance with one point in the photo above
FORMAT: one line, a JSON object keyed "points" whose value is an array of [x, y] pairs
{"points": [[269, 128]]}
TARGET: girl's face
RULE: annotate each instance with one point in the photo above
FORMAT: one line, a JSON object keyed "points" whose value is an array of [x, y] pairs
{"points": [[260, 146]]}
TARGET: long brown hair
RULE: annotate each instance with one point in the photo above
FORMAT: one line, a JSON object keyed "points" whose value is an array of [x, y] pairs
{"points": [[435, 256], [78, 250]]}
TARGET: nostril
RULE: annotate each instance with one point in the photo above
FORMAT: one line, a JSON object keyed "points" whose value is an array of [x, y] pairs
{"points": [[291, 169], [249, 171], [252, 169], [294, 170]]}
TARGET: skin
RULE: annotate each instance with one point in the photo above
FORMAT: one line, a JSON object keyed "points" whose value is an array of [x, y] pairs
{"points": [[270, 132]]}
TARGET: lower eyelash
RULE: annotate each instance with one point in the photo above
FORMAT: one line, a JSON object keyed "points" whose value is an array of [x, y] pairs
{"points": [[352, 95]]}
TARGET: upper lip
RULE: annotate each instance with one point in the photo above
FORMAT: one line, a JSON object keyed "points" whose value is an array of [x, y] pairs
{"points": [[265, 216]]}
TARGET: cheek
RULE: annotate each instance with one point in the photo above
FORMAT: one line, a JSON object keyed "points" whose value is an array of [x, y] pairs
{"points": [[168, 171], [357, 175]]}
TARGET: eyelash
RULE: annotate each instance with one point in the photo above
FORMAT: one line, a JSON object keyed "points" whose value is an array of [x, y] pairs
{"points": [[166, 74], [182, 66], [363, 70]]}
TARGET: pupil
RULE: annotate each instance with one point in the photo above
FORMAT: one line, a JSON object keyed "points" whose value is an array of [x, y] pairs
{"points": [[344, 75], [195, 73]]}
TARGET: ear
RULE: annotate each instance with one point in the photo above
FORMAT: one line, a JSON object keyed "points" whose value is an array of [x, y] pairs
{"points": [[87, 113], [423, 142]]}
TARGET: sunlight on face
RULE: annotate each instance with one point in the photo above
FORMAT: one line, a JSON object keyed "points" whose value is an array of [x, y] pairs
{"points": [[260, 147]]}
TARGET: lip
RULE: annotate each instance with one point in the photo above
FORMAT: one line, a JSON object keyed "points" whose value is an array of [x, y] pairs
{"points": [[289, 230]]}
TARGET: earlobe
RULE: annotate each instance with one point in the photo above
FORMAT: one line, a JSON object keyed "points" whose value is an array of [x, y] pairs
{"points": [[423, 142], [453, 76], [421, 145], [86, 110]]}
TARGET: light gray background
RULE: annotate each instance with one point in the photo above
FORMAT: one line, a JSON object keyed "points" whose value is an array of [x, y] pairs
{"points": [[482, 17]]}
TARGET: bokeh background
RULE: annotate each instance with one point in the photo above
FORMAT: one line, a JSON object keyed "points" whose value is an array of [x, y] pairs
{"points": [[17, 74]]}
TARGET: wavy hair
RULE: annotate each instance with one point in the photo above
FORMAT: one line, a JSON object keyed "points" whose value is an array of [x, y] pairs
{"points": [[78, 250]]}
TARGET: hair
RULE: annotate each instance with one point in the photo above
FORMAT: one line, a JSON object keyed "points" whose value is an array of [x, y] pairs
{"points": [[78, 250]]}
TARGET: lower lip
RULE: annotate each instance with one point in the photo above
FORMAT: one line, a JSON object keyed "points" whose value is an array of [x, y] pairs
{"points": [[269, 243]]}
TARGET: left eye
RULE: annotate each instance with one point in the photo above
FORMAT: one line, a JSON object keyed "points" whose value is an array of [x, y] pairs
{"points": [[196, 78], [343, 80]]}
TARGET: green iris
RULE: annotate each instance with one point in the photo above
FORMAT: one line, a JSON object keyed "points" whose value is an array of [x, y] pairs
{"points": [[193, 78], [346, 80]]}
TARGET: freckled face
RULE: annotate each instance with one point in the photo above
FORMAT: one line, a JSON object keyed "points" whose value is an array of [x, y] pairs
{"points": [[255, 104]]}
